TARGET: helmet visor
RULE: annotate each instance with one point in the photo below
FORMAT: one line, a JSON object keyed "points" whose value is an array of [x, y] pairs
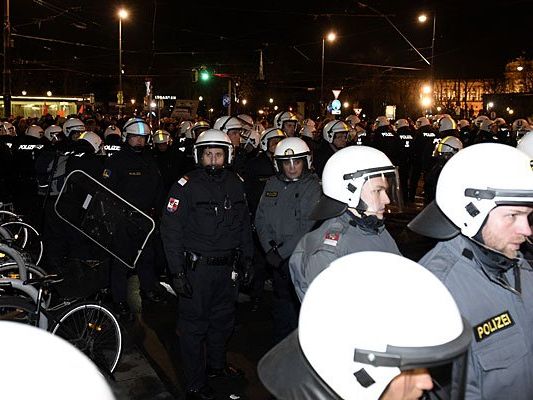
{"points": [[291, 169]]}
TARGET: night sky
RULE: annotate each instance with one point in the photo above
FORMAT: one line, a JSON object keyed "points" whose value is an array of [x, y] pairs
{"points": [[164, 39]]}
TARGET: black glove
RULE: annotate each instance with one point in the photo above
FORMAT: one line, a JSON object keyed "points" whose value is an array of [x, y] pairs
{"points": [[273, 258], [181, 285], [248, 272]]}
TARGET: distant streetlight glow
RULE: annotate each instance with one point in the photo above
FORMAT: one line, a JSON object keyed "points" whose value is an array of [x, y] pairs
{"points": [[439, 108], [24, 93], [422, 18], [132, 101], [275, 108], [346, 104], [490, 104], [425, 102], [153, 104], [271, 100], [122, 13], [244, 101], [511, 111], [201, 98], [331, 37], [261, 112], [49, 93], [426, 89], [519, 68]]}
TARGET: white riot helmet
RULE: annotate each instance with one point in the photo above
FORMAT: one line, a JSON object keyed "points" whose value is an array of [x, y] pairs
{"points": [[353, 120], [465, 195], [34, 131], [333, 127], [227, 123], [464, 123], [381, 121], [247, 121], [112, 130], [184, 129], [250, 137], [6, 128], [520, 124], [344, 175], [52, 131], [135, 126], [308, 128], [161, 137], [72, 125], [359, 359], [289, 150], [213, 138], [447, 147], [422, 121], [199, 127], [401, 123], [479, 120], [526, 144], [52, 357], [446, 124], [93, 139], [284, 116], [269, 134], [486, 125]]}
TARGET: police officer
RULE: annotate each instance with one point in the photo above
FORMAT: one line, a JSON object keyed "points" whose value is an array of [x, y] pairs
{"points": [[132, 173], [112, 140], [353, 341], [358, 184], [385, 139], [234, 127], [206, 232], [424, 144], [281, 220], [287, 122], [481, 216], [335, 134], [170, 161], [406, 151]]}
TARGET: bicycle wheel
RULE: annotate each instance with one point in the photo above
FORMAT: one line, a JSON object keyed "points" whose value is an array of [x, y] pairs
{"points": [[95, 331], [26, 238], [17, 309], [10, 269]]}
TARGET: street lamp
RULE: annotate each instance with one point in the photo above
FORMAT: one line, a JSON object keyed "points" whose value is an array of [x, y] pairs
{"points": [[122, 14], [330, 38], [422, 18]]}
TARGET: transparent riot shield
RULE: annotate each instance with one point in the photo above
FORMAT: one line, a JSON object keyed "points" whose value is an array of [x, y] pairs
{"points": [[102, 216]]}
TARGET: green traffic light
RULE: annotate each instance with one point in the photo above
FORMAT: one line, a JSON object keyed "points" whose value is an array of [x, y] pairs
{"points": [[205, 76]]}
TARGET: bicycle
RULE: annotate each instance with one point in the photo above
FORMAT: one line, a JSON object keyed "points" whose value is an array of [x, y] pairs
{"points": [[88, 325]]}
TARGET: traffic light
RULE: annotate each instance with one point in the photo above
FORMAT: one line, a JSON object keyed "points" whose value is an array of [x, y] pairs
{"points": [[205, 75]]}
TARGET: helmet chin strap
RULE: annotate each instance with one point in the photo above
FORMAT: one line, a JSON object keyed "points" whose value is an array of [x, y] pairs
{"points": [[369, 223]]}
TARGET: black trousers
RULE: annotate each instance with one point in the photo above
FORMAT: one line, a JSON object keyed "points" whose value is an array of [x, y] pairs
{"points": [[206, 321], [285, 303]]}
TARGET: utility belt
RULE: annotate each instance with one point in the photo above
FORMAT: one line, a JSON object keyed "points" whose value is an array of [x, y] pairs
{"points": [[194, 259]]}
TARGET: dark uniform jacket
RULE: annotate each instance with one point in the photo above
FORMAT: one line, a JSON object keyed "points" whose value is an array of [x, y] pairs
{"points": [[205, 214]]}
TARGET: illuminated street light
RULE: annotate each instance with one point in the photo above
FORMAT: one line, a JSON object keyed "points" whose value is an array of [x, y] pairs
{"points": [[49, 93], [275, 108], [153, 104], [132, 101], [490, 104], [519, 68], [261, 112], [439, 108], [201, 98], [346, 104], [426, 89], [24, 93], [511, 111], [271, 100], [122, 14], [422, 18], [244, 101], [330, 38], [426, 102]]}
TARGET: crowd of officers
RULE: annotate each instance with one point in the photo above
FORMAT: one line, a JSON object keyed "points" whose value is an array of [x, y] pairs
{"points": [[233, 202]]}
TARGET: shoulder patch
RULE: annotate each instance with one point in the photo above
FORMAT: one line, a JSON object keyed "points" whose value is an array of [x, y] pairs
{"points": [[493, 325], [183, 180], [106, 173], [271, 194], [172, 205], [332, 238]]}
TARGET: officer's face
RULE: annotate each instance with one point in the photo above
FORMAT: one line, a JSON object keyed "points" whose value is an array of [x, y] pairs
{"points": [[374, 194], [409, 385], [506, 228], [136, 141], [289, 128], [162, 147], [235, 137], [340, 139], [293, 168], [272, 143], [213, 157]]}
